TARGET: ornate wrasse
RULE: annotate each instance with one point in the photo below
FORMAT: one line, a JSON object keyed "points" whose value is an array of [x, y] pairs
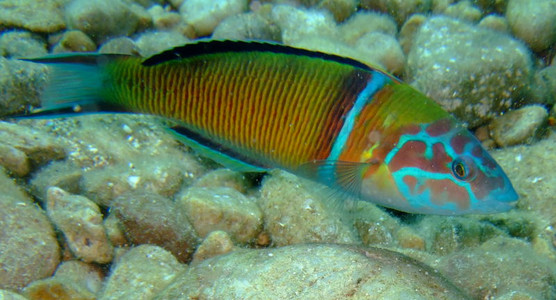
{"points": [[328, 118]]}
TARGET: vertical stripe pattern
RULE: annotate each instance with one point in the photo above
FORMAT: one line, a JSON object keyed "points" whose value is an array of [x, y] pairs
{"points": [[281, 109]]}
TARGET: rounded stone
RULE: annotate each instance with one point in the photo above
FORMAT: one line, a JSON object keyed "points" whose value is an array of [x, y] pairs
{"points": [[204, 15], [518, 126], [533, 21]]}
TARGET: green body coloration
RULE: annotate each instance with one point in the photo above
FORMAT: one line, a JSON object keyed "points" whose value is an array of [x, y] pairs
{"points": [[328, 118]]}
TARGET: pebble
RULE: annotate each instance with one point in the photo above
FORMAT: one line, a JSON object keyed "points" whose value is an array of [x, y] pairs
{"points": [[500, 266], [364, 22], [341, 9], [519, 126], [21, 83], [247, 26], [533, 21], [23, 149], [80, 220], [119, 45], [223, 178], [310, 271], [298, 211], [400, 10], [163, 19], [464, 10], [141, 273], [149, 218], [216, 243], [205, 16], [115, 231], [88, 276], [102, 19], [151, 43], [465, 68], [221, 208], [495, 22], [409, 30], [37, 16], [74, 41], [9, 295], [296, 24], [28, 247], [21, 44], [384, 50], [62, 174], [544, 86]]}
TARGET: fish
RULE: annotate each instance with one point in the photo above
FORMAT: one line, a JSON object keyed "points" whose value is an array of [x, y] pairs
{"points": [[255, 106]]}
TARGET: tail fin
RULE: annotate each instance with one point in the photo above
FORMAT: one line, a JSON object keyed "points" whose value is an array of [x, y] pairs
{"points": [[74, 79]]}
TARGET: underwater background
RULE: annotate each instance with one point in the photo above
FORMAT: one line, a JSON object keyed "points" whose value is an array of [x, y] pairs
{"points": [[111, 206]]}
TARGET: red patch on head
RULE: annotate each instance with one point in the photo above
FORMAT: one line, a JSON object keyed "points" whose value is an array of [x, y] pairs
{"points": [[447, 190], [410, 155], [458, 142], [440, 162], [483, 157], [482, 184], [440, 127]]}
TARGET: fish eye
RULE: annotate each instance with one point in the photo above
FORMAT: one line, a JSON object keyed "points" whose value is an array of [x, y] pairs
{"points": [[463, 168]]}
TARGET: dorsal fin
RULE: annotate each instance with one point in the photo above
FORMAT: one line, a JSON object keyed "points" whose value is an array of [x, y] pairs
{"points": [[225, 46]]}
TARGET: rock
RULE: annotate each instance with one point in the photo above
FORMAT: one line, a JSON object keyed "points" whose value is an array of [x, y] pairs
{"points": [[149, 218], [466, 68], [120, 45], [205, 16], [221, 208], [382, 49], [341, 9], [37, 16], [164, 19], [409, 30], [102, 19], [9, 295], [74, 41], [519, 126], [62, 174], [21, 44], [364, 22], [447, 235], [216, 243], [151, 43], [25, 149], [88, 276], [544, 86], [317, 272], [56, 288], [294, 212], [21, 85], [80, 220], [464, 10], [246, 26], [400, 10], [500, 266], [375, 227], [141, 273], [28, 247], [223, 178], [495, 23], [533, 21], [115, 231], [296, 24]]}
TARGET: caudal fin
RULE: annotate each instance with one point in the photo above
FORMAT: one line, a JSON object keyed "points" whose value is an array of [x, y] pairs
{"points": [[73, 79]]}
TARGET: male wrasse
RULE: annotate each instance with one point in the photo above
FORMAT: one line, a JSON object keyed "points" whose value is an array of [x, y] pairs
{"points": [[328, 118]]}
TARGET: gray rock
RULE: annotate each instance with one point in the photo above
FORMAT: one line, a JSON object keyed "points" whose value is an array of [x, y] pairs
{"points": [[310, 271], [28, 246], [472, 72], [464, 10], [296, 24], [216, 243], [400, 10], [21, 44], [221, 208], [20, 85], [80, 220], [141, 273], [120, 45], [155, 42], [295, 211], [152, 219], [37, 16], [205, 16], [519, 126], [246, 26], [101, 19], [23, 148], [501, 265], [74, 41], [533, 21], [364, 22]]}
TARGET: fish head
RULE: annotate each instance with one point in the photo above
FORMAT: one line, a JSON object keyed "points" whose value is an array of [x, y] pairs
{"points": [[440, 168]]}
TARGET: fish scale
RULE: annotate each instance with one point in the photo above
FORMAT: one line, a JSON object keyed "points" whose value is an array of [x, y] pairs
{"points": [[328, 118]]}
